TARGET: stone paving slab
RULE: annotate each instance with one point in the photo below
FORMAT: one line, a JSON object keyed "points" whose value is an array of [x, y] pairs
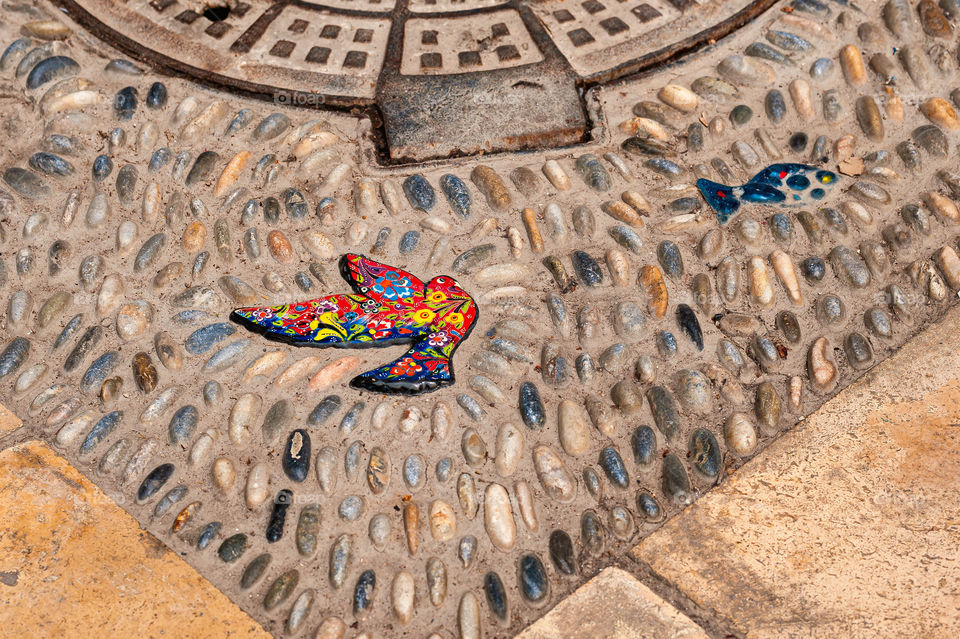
{"points": [[74, 564], [617, 606], [846, 526]]}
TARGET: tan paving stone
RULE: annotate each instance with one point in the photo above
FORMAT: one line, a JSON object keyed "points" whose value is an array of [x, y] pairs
{"points": [[8, 421], [613, 605], [847, 526], [74, 564]]}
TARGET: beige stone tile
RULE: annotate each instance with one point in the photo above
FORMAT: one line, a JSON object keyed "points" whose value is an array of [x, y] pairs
{"points": [[74, 564], [613, 605], [849, 525]]}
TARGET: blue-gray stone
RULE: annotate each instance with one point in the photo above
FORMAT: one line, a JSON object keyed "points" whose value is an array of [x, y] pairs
{"points": [[26, 183], [180, 164], [643, 443], [627, 238], [50, 164], [204, 338], [594, 174], [788, 41], [102, 167], [663, 406], [149, 252], [649, 507], [668, 254], [496, 595], [14, 355], [125, 103], [13, 52], [193, 316], [457, 194], [33, 56], [208, 534], [533, 579], [270, 127], [183, 424], [294, 203], [157, 96], [59, 143], [363, 593], [587, 269], [69, 330], [159, 159], [239, 121], [101, 430], [323, 411], [53, 68], [472, 258], [775, 106], [202, 167], [821, 68], [301, 279], [90, 338], [471, 407], [592, 533], [154, 481], [172, 497], [675, 481], [212, 393], [764, 51], [127, 183], [352, 418], [409, 241], [419, 192], [666, 344], [226, 356], [612, 465], [99, 370], [664, 167]]}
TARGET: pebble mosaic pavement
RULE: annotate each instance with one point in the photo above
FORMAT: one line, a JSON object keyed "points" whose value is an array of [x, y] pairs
{"points": [[628, 350]]}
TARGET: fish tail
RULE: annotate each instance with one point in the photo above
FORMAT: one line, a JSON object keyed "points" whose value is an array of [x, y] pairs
{"points": [[720, 197]]}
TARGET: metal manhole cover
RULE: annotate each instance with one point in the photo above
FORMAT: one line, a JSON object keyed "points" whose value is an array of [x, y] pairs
{"points": [[440, 78]]}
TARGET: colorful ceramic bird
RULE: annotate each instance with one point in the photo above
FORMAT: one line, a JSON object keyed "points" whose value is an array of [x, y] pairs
{"points": [[390, 306], [778, 183]]}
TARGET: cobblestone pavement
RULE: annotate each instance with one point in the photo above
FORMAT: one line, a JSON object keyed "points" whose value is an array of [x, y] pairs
{"points": [[738, 236]]}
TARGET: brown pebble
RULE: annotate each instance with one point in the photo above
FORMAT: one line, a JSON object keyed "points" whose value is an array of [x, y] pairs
{"points": [[411, 527], [934, 21], [280, 247], [492, 187], [194, 236], [533, 230], [852, 64], [651, 278], [941, 113], [620, 211], [144, 373]]}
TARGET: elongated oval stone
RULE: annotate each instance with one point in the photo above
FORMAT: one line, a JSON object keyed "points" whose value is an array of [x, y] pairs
{"points": [[183, 424], [154, 481], [498, 517], [496, 595], [296, 456], [553, 474], [13, 356]]}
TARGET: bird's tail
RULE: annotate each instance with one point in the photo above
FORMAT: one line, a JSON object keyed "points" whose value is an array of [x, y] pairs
{"points": [[720, 197]]}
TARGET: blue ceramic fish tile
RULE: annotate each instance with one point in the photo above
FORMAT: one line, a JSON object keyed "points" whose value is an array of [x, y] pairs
{"points": [[786, 183]]}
